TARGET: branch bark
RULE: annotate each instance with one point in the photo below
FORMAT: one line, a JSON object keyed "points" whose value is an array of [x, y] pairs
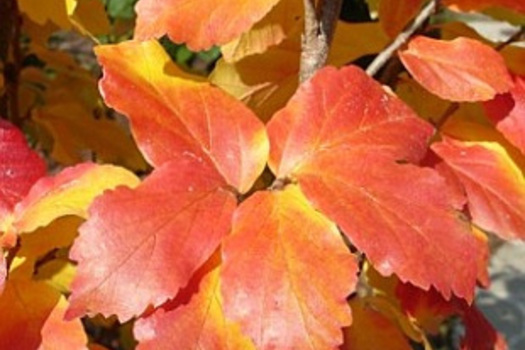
{"points": [[402, 38], [10, 58], [319, 26]]}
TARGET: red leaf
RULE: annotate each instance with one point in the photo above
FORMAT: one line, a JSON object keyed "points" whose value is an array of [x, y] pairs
{"points": [[139, 247], [495, 186], [340, 137], [341, 108], [509, 112], [217, 23], [20, 166], [197, 324], [479, 333], [172, 117], [286, 273], [430, 309], [467, 5], [462, 70]]}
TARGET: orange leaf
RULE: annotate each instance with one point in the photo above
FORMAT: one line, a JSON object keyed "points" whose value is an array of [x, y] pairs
{"points": [[31, 315], [458, 70], [509, 112], [303, 273], [339, 107], [394, 15], [341, 137], [495, 186], [172, 117], [371, 330], [218, 22], [170, 224], [60, 334], [197, 324]]}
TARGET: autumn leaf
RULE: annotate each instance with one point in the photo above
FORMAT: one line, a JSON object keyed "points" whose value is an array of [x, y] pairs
{"points": [[172, 116], [394, 15], [75, 130], [371, 330], [43, 326], [430, 309], [87, 16], [283, 21], [20, 167], [495, 186], [218, 22], [509, 113], [342, 137], [462, 70], [266, 91], [304, 273], [467, 5], [199, 323], [479, 333], [171, 223], [70, 192]]}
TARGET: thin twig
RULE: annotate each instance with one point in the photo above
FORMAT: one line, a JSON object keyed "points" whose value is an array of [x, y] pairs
{"points": [[319, 27], [16, 66], [389, 51]]}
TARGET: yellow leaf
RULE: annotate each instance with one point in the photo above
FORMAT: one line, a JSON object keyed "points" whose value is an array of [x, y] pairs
{"points": [[54, 11], [87, 16], [68, 193], [283, 21], [75, 131]]}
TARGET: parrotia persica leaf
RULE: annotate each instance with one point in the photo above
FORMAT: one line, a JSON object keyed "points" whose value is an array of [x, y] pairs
{"points": [[139, 247], [172, 116], [509, 112], [430, 309], [286, 273], [284, 20], [20, 167], [341, 137], [197, 324], [68, 193], [395, 14], [462, 70], [371, 330], [218, 22], [495, 186], [31, 317], [88, 16]]}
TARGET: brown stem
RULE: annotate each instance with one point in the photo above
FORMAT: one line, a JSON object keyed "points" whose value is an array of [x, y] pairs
{"points": [[11, 57], [452, 108], [402, 38], [319, 27]]}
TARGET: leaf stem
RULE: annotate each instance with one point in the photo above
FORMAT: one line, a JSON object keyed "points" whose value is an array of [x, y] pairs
{"points": [[319, 27], [402, 38]]}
